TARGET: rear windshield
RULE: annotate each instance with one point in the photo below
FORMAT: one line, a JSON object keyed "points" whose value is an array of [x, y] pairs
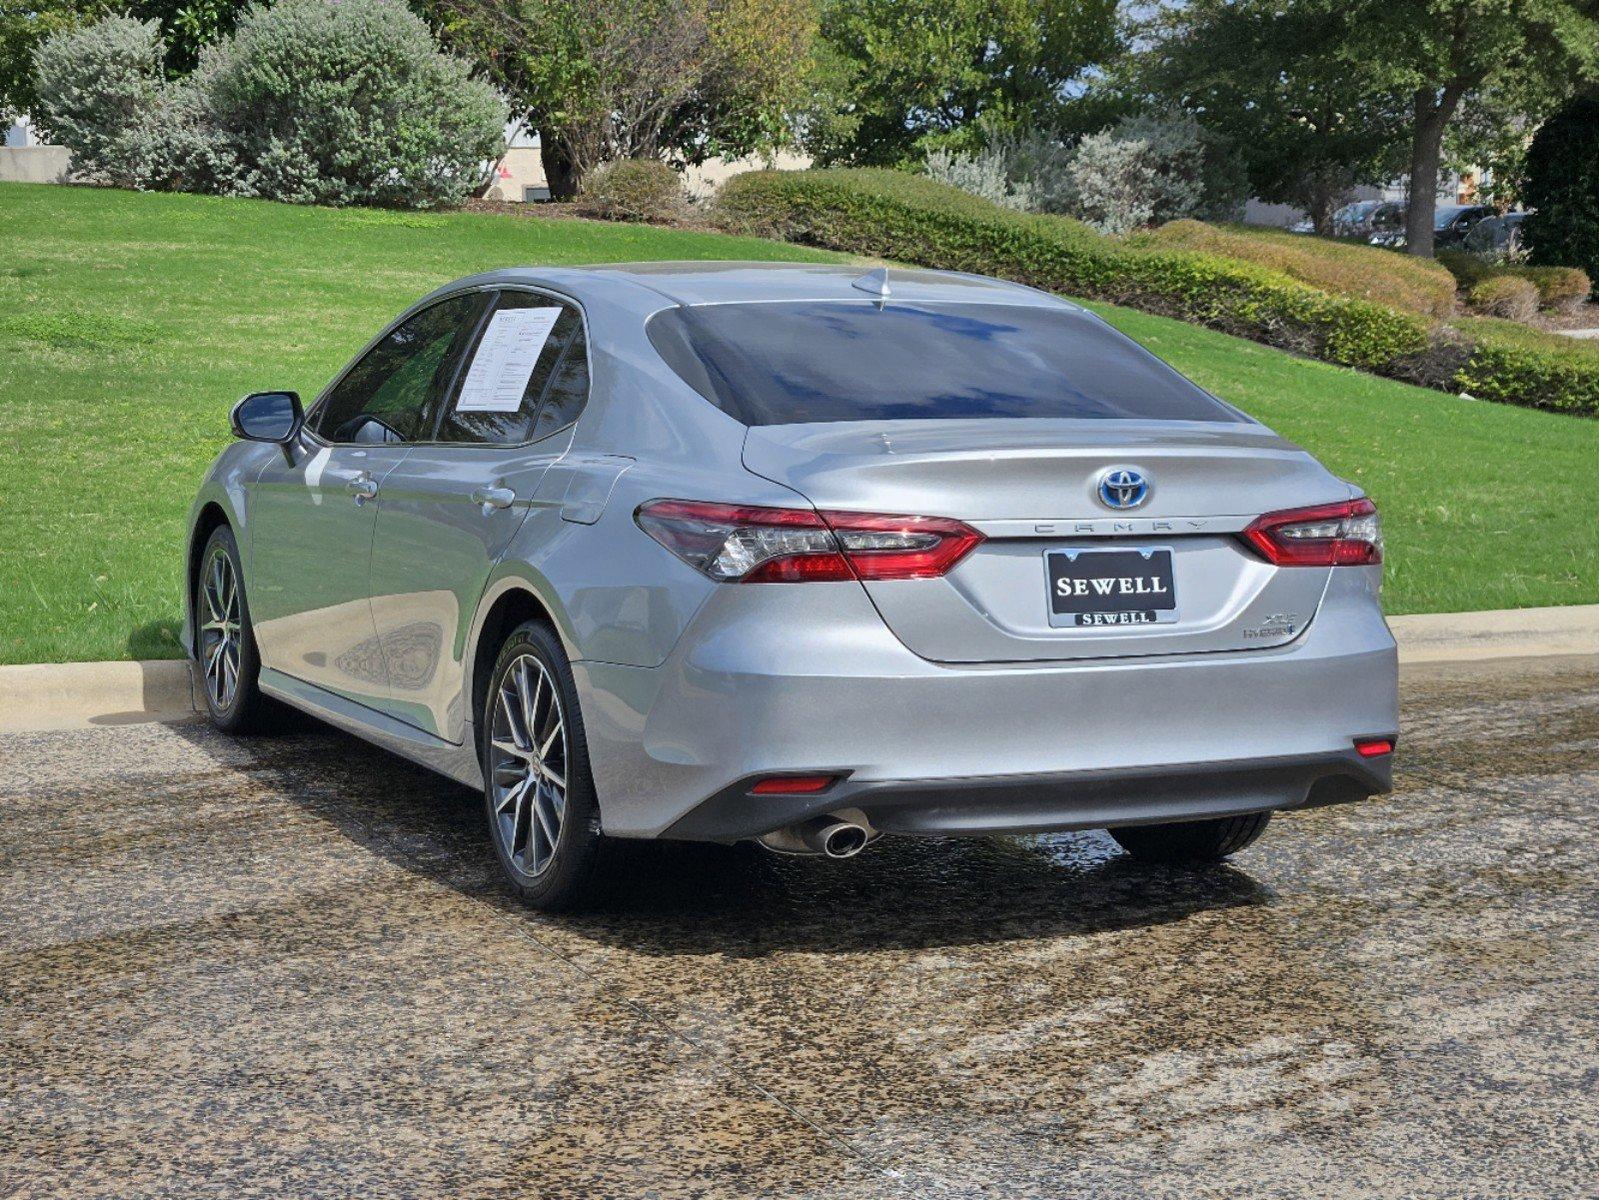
{"points": [[789, 363]]}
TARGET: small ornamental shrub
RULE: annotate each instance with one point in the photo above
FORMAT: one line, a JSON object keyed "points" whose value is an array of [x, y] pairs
{"points": [[100, 94], [634, 189], [1141, 171], [982, 174], [1504, 296], [1563, 289]]}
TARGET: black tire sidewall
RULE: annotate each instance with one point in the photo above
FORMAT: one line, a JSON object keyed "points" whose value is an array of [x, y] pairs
{"points": [[570, 876]]}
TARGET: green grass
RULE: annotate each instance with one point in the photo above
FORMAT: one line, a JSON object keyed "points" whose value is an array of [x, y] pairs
{"points": [[129, 323]]}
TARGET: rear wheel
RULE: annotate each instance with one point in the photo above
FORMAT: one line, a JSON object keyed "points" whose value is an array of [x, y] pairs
{"points": [[537, 790], [1191, 841], [224, 639]]}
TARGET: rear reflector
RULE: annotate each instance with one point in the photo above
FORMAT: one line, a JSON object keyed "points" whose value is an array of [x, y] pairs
{"points": [[743, 543], [793, 785], [1347, 534], [1374, 747]]}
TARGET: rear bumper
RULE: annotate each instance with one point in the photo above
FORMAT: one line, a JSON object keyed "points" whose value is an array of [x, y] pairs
{"points": [[808, 679], [1041, 803]]}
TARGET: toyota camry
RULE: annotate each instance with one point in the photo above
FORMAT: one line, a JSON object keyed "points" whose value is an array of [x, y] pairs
{"points": [[800, 555]]}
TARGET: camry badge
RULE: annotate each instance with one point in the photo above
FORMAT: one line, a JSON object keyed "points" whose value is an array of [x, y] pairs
{"points": [[1122, 487]]}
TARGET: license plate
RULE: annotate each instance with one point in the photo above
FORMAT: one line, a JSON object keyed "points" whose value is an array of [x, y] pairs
{"points": [[1130, 586]]}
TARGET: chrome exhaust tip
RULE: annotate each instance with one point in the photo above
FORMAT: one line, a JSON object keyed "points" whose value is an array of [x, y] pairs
{"points": [[836, 835], [837, 839]]}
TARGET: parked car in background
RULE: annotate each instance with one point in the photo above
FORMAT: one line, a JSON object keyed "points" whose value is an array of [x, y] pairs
{"points": [[1360, 219], [1498, 235], [1450, 225], [716, 551]]}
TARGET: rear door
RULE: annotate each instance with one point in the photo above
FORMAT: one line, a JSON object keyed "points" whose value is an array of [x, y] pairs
{"points": [[312, 519], [451, 508]]}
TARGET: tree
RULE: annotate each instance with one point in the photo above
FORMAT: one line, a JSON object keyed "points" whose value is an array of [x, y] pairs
{"points": [[892, 79], [1281, 83], [1562, 183], [1443, 53], [602, 79]]}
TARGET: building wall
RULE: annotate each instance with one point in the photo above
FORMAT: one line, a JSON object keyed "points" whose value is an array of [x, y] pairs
{"points": [[34, 164]]}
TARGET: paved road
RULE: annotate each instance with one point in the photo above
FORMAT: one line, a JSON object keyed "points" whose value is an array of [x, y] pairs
{"points": [[283, 967]]}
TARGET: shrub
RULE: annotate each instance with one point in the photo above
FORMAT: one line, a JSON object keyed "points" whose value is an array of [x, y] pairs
{"points": [[634, 189], [1142, 170], [100, 95], [983, 174], [890, 215], [1561, 288], [1343, 268], [349, 103], [1504, 296], [1562, 184], [887, 214]]}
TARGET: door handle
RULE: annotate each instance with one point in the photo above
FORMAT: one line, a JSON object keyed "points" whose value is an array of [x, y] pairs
{"points": [[363, 487], [493, 497]]}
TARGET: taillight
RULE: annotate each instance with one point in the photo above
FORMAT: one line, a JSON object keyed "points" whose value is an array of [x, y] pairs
{"points": [[1347, 534], [742, 543]]}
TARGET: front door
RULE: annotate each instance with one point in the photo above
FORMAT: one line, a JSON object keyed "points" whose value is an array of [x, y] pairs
{"points": [[452, 507], [312, 519]]}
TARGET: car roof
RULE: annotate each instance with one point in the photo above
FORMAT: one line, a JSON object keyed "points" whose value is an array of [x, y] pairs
{"points": [[723, 282]]}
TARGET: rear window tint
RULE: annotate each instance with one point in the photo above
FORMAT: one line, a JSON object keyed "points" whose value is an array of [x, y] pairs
{"points": [[790, 363]]}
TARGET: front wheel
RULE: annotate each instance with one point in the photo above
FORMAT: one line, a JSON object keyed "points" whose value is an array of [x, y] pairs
{"points": [[537, 789], [1191, 841], [224, 639]]}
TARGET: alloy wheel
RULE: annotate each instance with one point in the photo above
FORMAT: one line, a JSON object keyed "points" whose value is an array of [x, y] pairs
{"points": [[527, 762], [221, 630]]}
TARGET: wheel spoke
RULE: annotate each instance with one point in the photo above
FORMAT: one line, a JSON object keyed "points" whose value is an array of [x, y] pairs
{"points": [[512, 723], [551, 828]]}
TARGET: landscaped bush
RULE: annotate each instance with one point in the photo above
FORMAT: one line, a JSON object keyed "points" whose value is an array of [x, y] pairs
{"points": [[1504, 296], [983, 174], [634, 189], [100, 94], [1343, 268], [350, 103], [1561, 288], [886, 214], [311, 101], [1514, 364]]}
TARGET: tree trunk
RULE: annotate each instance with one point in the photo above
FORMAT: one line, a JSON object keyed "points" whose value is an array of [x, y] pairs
{"points": [[1323, 205], [561, 174], [1431, 113]]}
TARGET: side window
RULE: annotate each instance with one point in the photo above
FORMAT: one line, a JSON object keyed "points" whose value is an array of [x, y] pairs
{"points": [[393, 392], [526, 376]]}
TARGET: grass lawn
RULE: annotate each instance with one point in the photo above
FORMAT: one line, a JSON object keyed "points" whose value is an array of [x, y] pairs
{"points": [[129, 323]]}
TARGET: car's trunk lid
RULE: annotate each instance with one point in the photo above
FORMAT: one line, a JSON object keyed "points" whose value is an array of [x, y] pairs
{"points": [[1031, 487]]}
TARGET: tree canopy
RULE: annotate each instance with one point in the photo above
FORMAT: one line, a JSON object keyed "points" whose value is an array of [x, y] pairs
{"points": [[892, 78]]}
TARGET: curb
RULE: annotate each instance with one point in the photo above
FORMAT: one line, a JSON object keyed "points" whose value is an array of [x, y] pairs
{"points": [[80, 695], [48, 696]]}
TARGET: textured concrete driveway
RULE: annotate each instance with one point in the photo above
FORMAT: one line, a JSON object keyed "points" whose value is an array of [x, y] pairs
{"points": [[283, 967]]}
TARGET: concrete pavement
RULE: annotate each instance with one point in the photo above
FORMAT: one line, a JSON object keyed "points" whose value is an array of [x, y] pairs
{"points": [[285, 967]]}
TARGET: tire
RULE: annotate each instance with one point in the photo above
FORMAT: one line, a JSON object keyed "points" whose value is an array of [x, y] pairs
{"points": [[1191, 841], [533, 782], [224, 640]]}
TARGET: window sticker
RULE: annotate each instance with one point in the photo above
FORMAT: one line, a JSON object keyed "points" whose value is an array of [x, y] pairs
{"points": [[505, 359]]}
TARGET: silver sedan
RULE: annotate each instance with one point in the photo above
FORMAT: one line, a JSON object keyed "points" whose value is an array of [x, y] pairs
{"points": [[724, 551]]}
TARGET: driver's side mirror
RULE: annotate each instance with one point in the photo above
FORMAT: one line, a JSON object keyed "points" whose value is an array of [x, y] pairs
{"points": [[268, 417]]}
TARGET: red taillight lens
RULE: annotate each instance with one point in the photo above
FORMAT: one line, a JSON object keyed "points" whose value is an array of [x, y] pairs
{"points": [[741, 543], [1374, 747], [1347, 534]]}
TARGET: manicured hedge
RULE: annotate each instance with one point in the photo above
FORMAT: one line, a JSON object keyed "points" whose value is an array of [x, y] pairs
{"points": [[1562, 288], [1361, 272], [908, 218], [1504, 296]]}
